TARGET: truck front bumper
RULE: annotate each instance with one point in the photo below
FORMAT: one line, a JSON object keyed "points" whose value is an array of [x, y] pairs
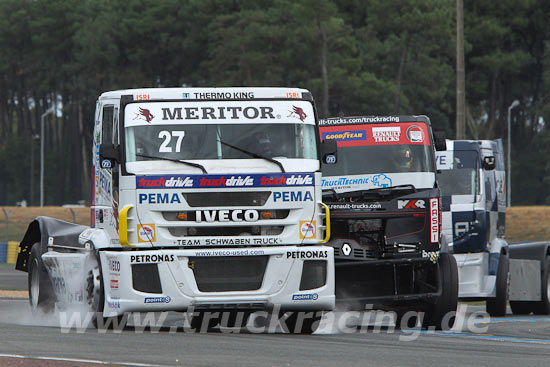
{"points": [[290, 277]]}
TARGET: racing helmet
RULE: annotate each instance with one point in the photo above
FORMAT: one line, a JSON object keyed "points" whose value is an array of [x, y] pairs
{"points": [[402, 157]]}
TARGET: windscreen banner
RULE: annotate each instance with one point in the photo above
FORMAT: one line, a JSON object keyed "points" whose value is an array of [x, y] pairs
{"points": [[411, 133], [218, 112]]}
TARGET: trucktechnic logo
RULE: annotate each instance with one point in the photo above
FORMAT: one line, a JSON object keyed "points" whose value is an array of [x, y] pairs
{"points": [[346, 135], [208, 181]]}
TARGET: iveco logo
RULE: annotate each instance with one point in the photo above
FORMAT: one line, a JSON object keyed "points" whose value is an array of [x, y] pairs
{"points": [[236, 215]]}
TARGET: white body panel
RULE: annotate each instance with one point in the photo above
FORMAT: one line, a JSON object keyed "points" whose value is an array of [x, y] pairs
{"points": [[180, 290], [474, 281]]}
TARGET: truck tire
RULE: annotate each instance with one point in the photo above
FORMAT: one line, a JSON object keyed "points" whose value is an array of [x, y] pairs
{"points": [[438, 315], [234, 318], [497, 306], [299, 322], [521, 307], [96, 299], [197, 321], [542, 307], [41, 293]]}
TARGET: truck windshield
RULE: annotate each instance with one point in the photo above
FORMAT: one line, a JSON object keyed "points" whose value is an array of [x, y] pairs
{"points": [[206, 141], [460, 175], [366, 149]]}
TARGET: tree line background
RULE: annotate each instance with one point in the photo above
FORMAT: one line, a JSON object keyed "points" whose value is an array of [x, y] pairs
{"points": [[358, 57]]}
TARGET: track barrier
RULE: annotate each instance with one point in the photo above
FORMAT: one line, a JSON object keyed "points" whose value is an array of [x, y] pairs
{"points": [[3, 252], [13, 251]]}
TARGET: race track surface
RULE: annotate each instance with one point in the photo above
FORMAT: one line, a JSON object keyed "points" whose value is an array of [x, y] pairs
{"points": [[509, 341], [476, 340]]}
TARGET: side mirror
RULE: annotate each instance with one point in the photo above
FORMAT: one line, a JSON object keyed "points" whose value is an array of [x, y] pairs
{"points": [[109, 154], [329, 149], [489, 163], [439, 140]]}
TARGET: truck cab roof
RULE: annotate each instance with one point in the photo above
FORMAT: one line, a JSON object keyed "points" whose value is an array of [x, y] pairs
{"points": [[225, 93]]}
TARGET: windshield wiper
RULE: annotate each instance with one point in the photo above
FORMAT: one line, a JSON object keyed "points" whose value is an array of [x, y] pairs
{"points": [[410, 186], [175, 160], [255, 155]]}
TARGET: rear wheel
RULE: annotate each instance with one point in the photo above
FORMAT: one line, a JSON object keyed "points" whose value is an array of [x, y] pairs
{"points": [[41, 292], [497, 306], [521, 307], [439, 314], [542, 307]]}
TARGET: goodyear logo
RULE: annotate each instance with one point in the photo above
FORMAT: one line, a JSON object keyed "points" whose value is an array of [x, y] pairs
{"points": [[346, 135]]}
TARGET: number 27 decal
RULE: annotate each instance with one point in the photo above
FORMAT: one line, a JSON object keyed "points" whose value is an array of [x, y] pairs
{"points": [[167, 136]]}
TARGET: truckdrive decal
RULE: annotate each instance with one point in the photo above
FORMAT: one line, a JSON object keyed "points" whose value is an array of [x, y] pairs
{"points": [[210, 181], [411, 133]]}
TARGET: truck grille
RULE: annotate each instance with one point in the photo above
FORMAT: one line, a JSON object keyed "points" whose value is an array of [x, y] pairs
{"points": [[218, 199], [225, 231], [227, 274]]}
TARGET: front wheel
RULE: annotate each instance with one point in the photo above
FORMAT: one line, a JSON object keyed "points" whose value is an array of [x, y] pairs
{"points": [[96, 301], [41, 293], [440, 315]]}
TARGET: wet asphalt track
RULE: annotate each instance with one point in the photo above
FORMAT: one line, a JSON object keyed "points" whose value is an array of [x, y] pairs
{"points": [[509, 341]]}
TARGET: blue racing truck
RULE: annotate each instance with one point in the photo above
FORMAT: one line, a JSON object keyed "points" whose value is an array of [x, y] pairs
{"points": [[472, 180]]}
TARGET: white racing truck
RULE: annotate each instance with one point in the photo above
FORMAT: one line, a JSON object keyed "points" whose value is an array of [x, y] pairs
{"points": [[472, 180], [203, 198]]}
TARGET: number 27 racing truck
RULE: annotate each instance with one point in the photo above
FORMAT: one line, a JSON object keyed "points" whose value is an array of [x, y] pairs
{"points": [[382, 191], [204, 198]]}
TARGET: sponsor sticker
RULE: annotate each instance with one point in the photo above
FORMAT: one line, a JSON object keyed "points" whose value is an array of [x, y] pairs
{"points": [[146, 233], [152, 258], [114, 283], [434, 220], [166, 299], [305, 297], [114, 266], [307, 254], [379, 180], [346, 135], [240, 241], [386, 134], [115, 304], [415, 134], [288, 196], [307, 229], [411, 204], [159, 198], [208, 181]]}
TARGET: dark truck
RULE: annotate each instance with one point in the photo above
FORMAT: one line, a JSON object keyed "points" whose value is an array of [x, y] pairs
{"points": [[384, 200]]}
